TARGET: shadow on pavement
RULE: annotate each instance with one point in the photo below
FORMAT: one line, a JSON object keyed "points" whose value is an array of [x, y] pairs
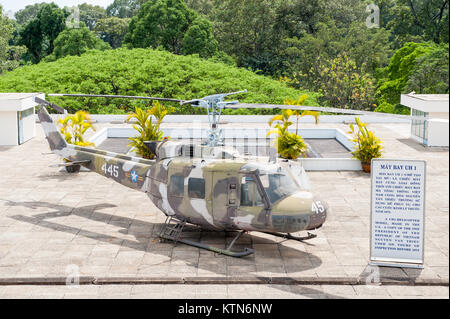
{"points": [[373, 275], [144, 241], [420, 148]]}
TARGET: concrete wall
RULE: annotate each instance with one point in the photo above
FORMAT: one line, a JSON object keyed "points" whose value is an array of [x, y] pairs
{"points": [[438, 115], [438, 133], [8, 128]]}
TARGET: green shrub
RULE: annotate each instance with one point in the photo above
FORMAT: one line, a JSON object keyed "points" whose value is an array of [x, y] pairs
{"points": [[73, 128], [75, 42], [368, 146], [144, 72], [148, 131], [386, 107], [420, 67], [290, 145]]}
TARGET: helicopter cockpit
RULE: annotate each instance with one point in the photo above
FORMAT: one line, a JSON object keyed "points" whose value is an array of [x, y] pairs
{"points": [[277, 183]]}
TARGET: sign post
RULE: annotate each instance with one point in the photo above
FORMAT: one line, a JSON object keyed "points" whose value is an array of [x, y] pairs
{"points": [[397, 213]]}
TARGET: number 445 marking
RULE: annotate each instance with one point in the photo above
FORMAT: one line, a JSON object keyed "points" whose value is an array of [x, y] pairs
{"points": [[110, 169]]}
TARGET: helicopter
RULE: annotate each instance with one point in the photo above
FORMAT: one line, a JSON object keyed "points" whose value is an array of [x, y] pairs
{"points": [[208, 185]]}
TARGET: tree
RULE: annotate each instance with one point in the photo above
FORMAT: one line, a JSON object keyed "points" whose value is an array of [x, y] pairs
{"points": [[263, 34], [124, 8], [245, 30], [144, 72], [167, 23], [112, 30], [344, 85], [431, 17], [199, 39], [90, 14], [28, 13], [9, 55], [39, 34], [302, 57], [204, 7], [344, 12], [76, 42], [52, 21], [415, 20], [367, 46], [295, 17], [31, 37], [419, 67], [432, 72]]}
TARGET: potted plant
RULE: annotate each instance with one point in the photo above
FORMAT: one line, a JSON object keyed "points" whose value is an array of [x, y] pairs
{"points": [[368, 146], [290, 145], [148, 131], [73, 129]]}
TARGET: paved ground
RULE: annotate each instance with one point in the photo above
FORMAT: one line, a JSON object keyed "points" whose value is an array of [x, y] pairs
{"points": [[53, 224], [225, 292]]}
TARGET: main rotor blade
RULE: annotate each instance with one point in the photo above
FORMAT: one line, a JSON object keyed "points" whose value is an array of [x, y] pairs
{"points": [[57, 108], [254, 106], [119, 97], [315, 108]]}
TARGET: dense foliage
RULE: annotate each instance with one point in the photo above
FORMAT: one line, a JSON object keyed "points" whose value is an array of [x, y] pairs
{"points": [[173, 26], [112, 30], [124, 8], [90, 14], [311, 43], [39, 34], [143, 72], [75, 42], [9, 54], [336, 48], [419, 67]]}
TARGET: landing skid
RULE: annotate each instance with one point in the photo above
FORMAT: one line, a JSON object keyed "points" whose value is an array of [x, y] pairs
{"points": [[289, 236], [173, 228], [227, 251]]}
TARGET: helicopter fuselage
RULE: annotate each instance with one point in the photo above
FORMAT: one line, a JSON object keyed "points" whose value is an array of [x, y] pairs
{"points": [[231, 194]]}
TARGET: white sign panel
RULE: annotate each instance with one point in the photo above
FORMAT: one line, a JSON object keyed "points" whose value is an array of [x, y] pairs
{"points": [[397, 212]]}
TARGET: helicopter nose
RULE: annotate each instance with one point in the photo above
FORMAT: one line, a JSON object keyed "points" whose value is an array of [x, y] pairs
{"points": [[319, 211]]}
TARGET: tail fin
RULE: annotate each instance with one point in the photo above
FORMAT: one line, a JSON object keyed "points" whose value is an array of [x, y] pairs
{"points": [[54, 137]]}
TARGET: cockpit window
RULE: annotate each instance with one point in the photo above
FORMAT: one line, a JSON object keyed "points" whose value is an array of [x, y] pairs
{"points": [[278, 184], [250, 195], [277, 181]]}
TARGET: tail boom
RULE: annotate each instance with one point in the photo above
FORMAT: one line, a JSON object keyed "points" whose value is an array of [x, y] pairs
{"points": [[129, 171]]}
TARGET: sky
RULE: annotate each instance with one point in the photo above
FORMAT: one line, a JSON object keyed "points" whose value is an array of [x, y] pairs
{"points": [[11, 6]]}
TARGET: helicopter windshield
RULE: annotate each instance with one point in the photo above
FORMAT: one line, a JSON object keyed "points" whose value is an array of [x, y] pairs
{"points": [[277, 182]]}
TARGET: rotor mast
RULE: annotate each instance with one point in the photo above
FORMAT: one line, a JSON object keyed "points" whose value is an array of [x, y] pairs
{"points": [[214, 104]]}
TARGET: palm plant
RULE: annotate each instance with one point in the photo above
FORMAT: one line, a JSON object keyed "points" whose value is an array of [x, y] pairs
{"points": [[75, 126], [290, 145], [299, 114], [148, 131], [368, 146]]}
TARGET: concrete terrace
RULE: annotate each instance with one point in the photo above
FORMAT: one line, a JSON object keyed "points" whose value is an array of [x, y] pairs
{"points": [[52, 221]]}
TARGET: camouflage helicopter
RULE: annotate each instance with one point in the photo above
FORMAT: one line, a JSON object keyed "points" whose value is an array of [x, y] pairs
{"points": [[209, 185]]}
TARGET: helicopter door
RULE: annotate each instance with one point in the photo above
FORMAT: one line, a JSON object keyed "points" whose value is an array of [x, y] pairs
{"points": [[225, 197], [253, 208]]}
